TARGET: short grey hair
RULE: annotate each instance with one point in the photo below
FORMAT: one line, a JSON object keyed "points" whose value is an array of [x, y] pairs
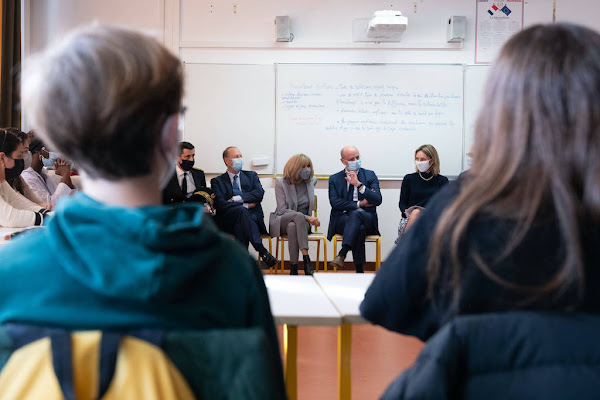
{"points": [[101, 96]]}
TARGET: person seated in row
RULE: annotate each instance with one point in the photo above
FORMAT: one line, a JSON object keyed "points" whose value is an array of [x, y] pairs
{"points": [[186, 180], [36, 177], [295, 196], [16, 211], [238, 197], [354, 196], [420, 186], [521, 230], [112, 257], [13, 176]]}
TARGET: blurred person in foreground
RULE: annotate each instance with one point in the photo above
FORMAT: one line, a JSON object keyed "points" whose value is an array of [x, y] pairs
{"points": [[112, 257]]}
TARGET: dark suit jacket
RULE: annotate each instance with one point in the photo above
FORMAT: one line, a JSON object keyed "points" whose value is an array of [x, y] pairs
{"points": [[252, 192], [338, 188], [173, 194]]}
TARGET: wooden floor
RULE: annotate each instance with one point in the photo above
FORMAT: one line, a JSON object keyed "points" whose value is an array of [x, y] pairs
{"points": [[378, 356]]}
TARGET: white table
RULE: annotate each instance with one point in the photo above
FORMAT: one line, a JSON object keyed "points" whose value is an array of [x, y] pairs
{"points": [[346, 292], [297, 300]]}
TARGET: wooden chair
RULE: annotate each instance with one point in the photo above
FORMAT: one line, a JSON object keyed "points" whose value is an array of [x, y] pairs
{"points": [[368, 239], [313, 237]]}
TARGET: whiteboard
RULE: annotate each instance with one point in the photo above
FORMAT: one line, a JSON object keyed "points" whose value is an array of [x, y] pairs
{"points": [[475, 78], [387, 111], [230, 105]]}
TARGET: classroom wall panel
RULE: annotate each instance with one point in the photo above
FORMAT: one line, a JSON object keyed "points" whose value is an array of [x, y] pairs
{"points": [[230, 105]]}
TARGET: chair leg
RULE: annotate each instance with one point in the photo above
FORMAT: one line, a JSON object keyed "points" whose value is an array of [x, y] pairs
{"points": [[318, 251], [334, 250], [378, 259], [274, 270], [282, 254], [325, 255]]}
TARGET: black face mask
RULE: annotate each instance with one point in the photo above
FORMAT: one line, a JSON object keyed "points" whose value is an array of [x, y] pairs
{"points": [[186, 165], [14, 172]]}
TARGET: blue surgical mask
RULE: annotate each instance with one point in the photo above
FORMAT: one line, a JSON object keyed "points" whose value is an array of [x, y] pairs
{"points": [[51, 160], [238, 163], [305, 173], [354, 165]]}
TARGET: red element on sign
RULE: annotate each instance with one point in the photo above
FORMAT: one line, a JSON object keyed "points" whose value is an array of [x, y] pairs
{"points": [[494, 7]]}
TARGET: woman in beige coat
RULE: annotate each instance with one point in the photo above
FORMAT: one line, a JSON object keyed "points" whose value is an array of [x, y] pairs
{"points": [[295, 203]]}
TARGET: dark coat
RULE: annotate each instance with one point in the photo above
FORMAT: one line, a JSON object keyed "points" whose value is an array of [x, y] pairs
{"points": [[173, 194], [252, 192], [513, 355], [397, 298], [338, 187]]}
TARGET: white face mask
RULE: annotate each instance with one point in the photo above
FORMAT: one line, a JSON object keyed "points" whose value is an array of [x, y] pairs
{"points": [[422, 166], [27, 159], [468, 161]]}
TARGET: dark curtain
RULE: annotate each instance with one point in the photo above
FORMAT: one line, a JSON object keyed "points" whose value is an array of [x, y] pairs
{"points": [[11, 58]]}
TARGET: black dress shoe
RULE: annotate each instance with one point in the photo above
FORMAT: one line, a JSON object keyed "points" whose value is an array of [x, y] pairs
{"points": [[269, 260], [360, 270], [294, 269], [308, 269]]}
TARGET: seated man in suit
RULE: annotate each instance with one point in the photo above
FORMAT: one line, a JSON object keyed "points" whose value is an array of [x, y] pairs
{"points": [[187, 179], [238, 196], [354, 195]]}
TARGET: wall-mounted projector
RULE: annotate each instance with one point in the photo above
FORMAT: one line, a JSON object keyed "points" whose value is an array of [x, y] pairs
{"points": [[386, 24]]}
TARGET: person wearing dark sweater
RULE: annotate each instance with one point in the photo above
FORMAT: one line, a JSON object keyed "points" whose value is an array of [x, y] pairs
{"points": [[521, 230], [418, 187]]}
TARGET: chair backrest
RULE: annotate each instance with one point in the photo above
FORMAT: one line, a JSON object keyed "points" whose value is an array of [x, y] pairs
{"points": [[512, 355], [50, 363]]}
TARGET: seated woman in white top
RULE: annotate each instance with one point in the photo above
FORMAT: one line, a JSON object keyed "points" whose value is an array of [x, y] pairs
{"points": [[44, 187], [15, 210]]}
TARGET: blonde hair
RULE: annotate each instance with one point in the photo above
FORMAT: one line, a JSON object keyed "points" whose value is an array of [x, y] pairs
{"points": [[432, 153], [291, 171], [100, 93]]}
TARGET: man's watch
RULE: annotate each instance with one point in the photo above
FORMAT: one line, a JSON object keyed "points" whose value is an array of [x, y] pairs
{"points": [[360, 186]]}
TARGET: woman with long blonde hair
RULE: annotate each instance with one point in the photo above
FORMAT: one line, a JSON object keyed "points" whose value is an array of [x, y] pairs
{"points": [[521, 230], [295, 203]]}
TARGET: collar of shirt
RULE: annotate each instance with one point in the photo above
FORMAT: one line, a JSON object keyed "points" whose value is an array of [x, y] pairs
{"points": [[232, 175], [180, 172], [43, 174]]}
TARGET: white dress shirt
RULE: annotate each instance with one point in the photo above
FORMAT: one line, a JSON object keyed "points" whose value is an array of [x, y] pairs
{"points": [[191, 186], [238, 198], [355, 192]]}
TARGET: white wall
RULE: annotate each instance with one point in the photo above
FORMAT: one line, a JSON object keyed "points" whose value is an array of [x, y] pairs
{"points": [[206, 31], [50, 19]]}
